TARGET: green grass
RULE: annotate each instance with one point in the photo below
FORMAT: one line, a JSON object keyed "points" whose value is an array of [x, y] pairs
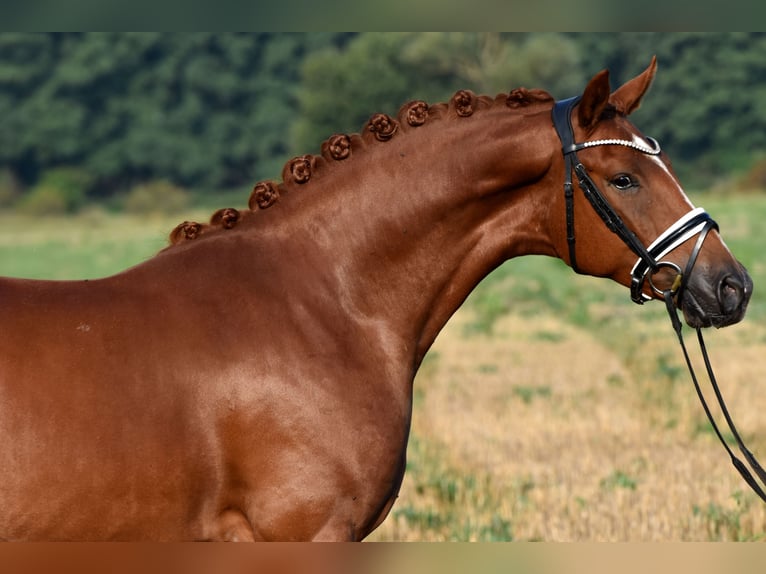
{"points": [[528, 394], [722, 522], [619, 479], [443, 492], [87, 246]]}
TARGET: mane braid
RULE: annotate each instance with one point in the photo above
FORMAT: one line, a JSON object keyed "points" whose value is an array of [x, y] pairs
{"points": [[339, 147]]}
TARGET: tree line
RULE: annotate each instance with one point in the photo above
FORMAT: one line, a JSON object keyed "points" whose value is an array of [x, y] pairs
{"points": [[99, 113]]}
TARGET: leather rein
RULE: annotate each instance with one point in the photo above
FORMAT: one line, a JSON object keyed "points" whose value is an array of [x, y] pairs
{"points": [[695, 223]]}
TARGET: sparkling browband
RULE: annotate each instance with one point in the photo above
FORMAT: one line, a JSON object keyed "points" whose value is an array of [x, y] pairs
{"points": [[654, 150]]}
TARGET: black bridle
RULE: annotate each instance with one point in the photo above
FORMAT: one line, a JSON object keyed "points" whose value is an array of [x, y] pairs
{"points": [[695, 223], [649, 261]]}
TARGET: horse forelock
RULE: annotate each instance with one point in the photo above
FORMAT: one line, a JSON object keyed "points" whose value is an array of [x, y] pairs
{"points": [[341, 148]]}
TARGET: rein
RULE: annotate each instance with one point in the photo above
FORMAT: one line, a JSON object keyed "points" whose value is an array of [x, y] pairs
{"points": [[696, 222]]}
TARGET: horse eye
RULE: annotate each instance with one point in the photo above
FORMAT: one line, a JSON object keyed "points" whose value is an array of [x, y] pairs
{"points": [[623, 182]]}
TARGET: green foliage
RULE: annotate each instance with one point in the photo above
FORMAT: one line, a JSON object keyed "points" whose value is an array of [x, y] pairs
{"points": [[493, 305], [528, 393], [156, 197], [619, 479], [447, 493], [198, 109], [706, 104], [43, 200], [216, 111], [10, 188], [378, 72], [724, 523], [60, 190], [754, 178], [668, 367]]}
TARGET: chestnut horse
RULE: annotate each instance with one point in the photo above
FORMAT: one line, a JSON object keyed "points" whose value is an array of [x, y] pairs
{"points": [[253, 380]]}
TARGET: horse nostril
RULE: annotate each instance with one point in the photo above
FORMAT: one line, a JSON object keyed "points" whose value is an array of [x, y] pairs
{"points": [[730, 294]]}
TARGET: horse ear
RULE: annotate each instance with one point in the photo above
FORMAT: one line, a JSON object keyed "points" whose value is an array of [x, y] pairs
{"points": [[627, 97], [594, 100]]}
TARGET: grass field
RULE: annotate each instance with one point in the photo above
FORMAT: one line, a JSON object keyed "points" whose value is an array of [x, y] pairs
{"points": [[550, 407]]}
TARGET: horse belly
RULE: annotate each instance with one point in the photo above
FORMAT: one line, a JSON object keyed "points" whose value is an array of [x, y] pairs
{"points": [[89, 465], [60, 485]]}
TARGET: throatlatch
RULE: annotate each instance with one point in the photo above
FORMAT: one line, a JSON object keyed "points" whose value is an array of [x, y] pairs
{"points": [[696, 222]]}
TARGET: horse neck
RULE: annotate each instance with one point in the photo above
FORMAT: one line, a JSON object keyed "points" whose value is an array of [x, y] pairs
{"points": [[410, 228]]}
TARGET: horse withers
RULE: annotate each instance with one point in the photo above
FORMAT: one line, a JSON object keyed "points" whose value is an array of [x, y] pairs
{"points": [[253, 380]]}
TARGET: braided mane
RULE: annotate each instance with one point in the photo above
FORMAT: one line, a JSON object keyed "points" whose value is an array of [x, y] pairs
{"points": [[340, 147]]}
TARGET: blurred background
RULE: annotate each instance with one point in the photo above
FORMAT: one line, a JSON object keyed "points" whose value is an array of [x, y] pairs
{"points": [[91, 117], [550, 408]]}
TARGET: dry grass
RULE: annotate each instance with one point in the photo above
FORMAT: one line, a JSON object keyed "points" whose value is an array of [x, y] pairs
{"points": [[541, 432]]}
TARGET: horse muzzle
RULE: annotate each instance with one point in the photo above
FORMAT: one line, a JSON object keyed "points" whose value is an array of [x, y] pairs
{"points": [[710, 294], [718, 299]]}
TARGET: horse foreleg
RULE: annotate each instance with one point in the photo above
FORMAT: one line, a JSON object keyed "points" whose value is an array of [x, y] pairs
{"points": [[233, 526]]}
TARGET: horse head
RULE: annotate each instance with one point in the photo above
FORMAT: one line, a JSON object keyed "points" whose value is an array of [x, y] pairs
{"points": [[625, 177]]}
